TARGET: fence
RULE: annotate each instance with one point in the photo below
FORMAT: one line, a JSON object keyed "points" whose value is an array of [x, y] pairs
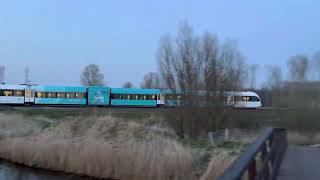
{"points": [[219, 137], [262, 159]]}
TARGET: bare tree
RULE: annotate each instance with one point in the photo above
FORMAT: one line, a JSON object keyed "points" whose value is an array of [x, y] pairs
{"points": [[298, 67], [209, 53], [274, 77], [2, 73], [179, 66], [27, 75], [201, 71], [252, 73], [316, 63], [127, 84], [91, 76], [150, 80], [273, 86], [233, 64]]}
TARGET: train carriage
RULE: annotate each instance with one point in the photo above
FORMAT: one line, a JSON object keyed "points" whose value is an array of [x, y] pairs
{"points": [[236, 99], [172, 98], [60, 95], [246, 99], [12, 94], [136, 97]]}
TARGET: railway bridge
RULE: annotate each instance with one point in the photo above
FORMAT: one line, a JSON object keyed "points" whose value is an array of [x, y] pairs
{"points": [[269, 158]]}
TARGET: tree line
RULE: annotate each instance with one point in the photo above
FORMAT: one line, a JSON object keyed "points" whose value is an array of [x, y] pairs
{"points": [[92, 76], [301, 86]]}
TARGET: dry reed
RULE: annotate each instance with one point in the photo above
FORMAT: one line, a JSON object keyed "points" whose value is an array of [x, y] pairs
{"points": [[100, 147], [219, 162]]}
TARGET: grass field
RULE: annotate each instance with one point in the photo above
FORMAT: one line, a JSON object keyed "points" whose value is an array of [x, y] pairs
{"points": [[303, 125], [119, 143], [132, 143]]}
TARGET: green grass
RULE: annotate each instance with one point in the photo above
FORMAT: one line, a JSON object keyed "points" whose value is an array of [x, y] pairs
{"points": [[197, 143]]}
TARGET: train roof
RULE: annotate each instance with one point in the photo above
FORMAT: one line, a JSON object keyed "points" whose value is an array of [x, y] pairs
{"points": [[14, 87], [134, 91], [203, 92], [244, 93]]}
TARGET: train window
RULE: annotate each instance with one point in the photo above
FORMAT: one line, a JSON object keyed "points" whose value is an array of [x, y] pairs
{"points": [[150, 97], [115, 96], [80, 95], [254, 98], [51, 95], [7, 93], [168, 97], [237, 98], [61, 95], [242, 98], [135, 96], [18, 93], [158, 97], [40, 95], [132, 96], [245, 98], [147, 97], [141, 97], [125, 96], [27, 93], [70, 95]]}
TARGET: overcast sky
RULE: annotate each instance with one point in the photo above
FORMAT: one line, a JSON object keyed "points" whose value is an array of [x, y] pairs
{"points": [[57, 38]]}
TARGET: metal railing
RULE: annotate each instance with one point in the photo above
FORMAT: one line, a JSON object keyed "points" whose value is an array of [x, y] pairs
{"points": [[262, 159]]}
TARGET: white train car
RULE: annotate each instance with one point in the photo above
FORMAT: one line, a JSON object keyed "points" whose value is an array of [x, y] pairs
{"points": [[244, 99], [12, 94]]}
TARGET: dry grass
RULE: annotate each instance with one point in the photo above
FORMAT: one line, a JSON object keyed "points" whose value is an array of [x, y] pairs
{"points": [[104, 146], [99, 146], [219, 162]]}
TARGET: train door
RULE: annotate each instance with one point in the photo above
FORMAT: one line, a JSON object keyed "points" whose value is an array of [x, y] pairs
{"points": [[29, 95], [160, 98]]}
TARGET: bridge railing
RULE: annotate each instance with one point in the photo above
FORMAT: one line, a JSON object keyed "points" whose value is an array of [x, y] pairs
{"points": [[262, 159]]}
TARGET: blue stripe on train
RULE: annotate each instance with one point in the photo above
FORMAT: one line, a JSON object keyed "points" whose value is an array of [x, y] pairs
{"points": [[60, 101], [125, 102]]}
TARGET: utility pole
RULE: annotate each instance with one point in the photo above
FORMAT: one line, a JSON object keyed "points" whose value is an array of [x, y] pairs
{"points": [[27, 75], [2, 71]]}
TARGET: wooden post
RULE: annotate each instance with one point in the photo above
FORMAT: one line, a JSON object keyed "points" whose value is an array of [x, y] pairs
{"points": [[211, 138], [252, 170], [226, 134], [264, 160]]}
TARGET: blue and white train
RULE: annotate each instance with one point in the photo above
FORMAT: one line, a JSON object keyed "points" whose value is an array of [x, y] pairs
{"points": [[105, 96]]}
